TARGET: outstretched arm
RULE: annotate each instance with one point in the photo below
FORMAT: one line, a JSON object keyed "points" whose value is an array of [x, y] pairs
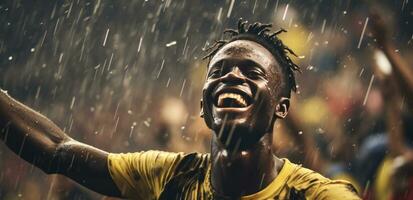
{"points": [[393, 117], [399, 82], [402, 72], [40, 142]]}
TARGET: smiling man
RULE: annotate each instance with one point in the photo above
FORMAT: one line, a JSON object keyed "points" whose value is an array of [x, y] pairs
{"points": [[248, 87]]}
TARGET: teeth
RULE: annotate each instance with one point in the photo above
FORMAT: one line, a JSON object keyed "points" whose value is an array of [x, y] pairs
{"points": [[234, 96]]}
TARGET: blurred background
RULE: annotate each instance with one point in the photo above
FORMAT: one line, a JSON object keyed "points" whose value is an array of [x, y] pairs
{"points": [[126, 76]]}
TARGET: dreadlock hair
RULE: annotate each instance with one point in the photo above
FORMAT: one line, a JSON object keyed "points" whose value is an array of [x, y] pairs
{"points": [[260, 33]]}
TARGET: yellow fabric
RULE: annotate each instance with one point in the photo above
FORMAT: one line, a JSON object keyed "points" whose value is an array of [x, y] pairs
{"points": [[295, 177], [382, 189], [144, 175], [347, 177]]}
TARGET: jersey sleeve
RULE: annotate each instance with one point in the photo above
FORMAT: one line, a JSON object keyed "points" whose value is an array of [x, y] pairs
{"points": [[318, 187], [142, 175], [334, 189]]}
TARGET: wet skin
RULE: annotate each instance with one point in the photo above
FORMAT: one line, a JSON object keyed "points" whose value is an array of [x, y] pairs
{"points": [[243, 162]]}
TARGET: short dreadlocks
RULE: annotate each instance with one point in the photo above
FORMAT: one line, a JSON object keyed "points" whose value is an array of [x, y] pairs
{"points": [[260, 33]]}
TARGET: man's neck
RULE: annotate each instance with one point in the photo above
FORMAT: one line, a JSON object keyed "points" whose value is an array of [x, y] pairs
{"points": [[243, 172]]}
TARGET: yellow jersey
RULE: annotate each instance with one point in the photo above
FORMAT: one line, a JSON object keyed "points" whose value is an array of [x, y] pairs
{"points": [[161, 175]]}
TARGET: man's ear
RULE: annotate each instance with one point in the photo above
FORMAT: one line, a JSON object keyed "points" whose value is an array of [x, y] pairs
{"points": [[281, 110], [201, 113]]}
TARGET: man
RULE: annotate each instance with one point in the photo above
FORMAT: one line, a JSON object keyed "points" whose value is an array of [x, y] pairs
{"points": [[248, 86]]}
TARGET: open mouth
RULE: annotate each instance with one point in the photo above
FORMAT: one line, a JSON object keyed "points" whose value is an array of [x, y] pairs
{"points": [[232, 100]]}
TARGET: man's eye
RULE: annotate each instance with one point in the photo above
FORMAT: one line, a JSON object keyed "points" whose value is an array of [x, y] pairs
{"points": [[214, 73], [255, 74]]}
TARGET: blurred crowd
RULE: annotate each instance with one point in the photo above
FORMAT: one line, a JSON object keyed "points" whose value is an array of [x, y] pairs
{"points": [[127, 77]]}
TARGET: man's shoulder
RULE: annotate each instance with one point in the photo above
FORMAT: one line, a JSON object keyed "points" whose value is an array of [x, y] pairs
{"points": [[302, 176], [192, 161], [167, 171], [182, 161], [315, 184]]}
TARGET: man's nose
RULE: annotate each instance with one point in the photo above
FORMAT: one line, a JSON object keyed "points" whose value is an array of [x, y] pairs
{"points": [[234, 76]]}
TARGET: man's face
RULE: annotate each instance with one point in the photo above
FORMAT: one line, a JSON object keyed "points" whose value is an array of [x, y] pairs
{"points": [[241, 92]]}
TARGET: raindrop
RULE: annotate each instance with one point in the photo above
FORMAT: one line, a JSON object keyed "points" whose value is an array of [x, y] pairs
{"points": [[169, 81], [255, 5], [171, 44], [147, 122], [160, 70], [323, 26], [140, 44], [131, 131], [362, 32], [368, 90], [106, 37], [285, 11], [320, 131], [361, 72], [219, 14], [72, 103], [182, 89], [230, 8]]}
